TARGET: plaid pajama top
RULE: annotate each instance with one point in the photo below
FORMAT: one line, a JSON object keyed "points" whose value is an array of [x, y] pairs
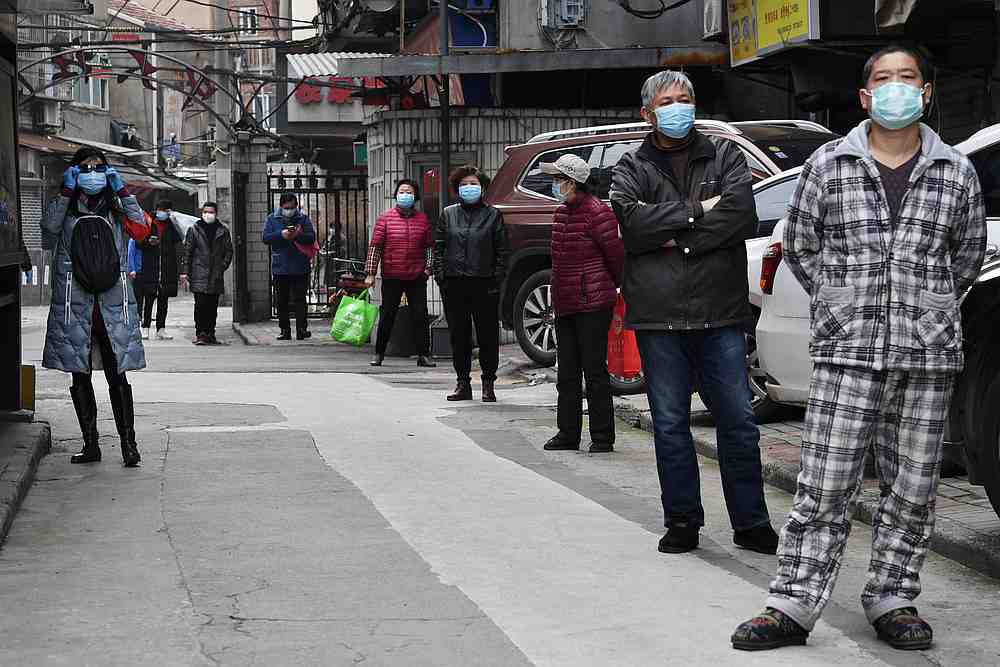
{"points": [[885, 297]]}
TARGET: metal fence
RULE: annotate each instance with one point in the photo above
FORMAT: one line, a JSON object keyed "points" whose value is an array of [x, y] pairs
{"points": [[337, 205]]}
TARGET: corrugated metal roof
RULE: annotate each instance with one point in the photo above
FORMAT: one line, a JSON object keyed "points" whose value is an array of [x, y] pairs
{"points": [[322, 64]]}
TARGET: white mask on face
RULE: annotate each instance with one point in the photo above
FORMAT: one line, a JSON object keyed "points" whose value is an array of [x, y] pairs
{"points": [[208, 217]]}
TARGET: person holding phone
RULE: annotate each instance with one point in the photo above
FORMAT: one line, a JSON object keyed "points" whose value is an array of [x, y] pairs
{"points": [[283, 230]]}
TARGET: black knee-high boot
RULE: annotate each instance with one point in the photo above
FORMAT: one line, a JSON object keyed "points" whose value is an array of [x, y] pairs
{"points": [[86, 412], [121, 404]]}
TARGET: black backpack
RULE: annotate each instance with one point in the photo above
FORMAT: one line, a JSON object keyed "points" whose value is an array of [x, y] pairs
{"points": [[96, 262]]}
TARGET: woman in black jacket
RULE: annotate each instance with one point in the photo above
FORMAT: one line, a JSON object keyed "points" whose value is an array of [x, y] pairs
{"points": [[470, 252]]}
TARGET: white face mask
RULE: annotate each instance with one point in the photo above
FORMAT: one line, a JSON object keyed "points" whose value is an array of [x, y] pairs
{"points": [[208, 217]]}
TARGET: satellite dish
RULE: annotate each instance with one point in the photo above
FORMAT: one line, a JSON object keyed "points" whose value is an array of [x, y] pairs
{"points": [[380, 6]]}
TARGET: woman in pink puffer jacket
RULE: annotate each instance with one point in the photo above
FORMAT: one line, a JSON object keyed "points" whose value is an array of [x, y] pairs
{"points": [[587, 261], [402, 242]]}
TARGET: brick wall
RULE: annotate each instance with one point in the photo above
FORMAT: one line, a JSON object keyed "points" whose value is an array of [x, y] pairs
{"points": [[252, 160]]}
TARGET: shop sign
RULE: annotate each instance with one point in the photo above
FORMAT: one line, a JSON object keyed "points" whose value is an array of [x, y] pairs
{"points": [[338, 93], [761, 27]]}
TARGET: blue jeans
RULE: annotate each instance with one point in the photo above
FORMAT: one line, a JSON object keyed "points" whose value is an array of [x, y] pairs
{"points": [[717, 358]]}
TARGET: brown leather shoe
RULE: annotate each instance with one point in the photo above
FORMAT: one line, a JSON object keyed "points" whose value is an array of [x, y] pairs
{"points": [[489, 396], [463, 392]]}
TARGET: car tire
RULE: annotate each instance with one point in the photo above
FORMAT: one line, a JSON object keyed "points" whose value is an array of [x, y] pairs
{"points": [[628, 386], [534, 318], [988, 451], [765, 409]]}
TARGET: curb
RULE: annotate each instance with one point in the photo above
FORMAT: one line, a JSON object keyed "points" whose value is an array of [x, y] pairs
{"points": [[951, 540], [245, 336], [32, 442]]}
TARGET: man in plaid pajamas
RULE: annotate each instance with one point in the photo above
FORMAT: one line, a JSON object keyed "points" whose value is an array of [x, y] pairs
{"points": [[886, 232]]}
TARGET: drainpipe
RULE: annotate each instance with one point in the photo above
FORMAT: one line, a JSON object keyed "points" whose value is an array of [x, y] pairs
{"points": [[444, 98]]}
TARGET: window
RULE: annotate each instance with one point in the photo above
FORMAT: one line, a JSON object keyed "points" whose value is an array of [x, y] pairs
{"points": [[987, 164], [541, 184], [262, 108], [612, 154], [93, 91], [772, 204], [248, 21]]}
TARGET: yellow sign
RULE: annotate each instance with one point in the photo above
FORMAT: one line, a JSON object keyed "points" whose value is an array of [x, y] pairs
{"points": [[780, 22], [742, 31]]}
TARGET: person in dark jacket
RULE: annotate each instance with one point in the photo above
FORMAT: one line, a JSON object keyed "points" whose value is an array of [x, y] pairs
{"points": [[208, 252], [587, 260], [156, 280], [403, 243], [685, 207], [283, 230], [90, 330], [470, 258]]}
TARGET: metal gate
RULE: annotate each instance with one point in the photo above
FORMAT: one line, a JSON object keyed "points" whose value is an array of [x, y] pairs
{"points": [[337, 204]]}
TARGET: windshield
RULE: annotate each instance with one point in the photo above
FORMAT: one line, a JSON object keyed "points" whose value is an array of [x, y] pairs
{"points": [[787, 147]]}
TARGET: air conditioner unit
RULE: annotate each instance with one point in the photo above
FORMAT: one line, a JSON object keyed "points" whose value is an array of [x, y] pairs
{"points": [[48, 116], [714, 24], [562, 14]]}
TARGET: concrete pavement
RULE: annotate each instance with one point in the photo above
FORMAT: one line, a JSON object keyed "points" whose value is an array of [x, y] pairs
{"points": [[335, 518]]}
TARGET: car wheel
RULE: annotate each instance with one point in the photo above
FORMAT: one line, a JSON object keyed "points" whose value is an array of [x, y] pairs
{"points": [[764, 407], [534, 318], [621, 386], [988, 452]]}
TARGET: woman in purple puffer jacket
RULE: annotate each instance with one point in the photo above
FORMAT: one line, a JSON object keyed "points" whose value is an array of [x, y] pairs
{"points": [[402, 243], [587, 261]]}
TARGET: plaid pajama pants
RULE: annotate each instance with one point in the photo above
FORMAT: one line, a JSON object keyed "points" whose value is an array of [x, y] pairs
{"points": [[904, 415]]}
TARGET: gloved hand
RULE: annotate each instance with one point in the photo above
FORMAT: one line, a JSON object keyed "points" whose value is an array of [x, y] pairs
{"points": [[70, 176], [114, 180]]}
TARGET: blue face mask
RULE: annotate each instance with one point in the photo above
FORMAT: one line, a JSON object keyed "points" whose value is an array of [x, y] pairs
{"points": [[896, 105], [470, 194], [405, 199], [92, 182], [675, 120], [557, 191], [162, 215]]}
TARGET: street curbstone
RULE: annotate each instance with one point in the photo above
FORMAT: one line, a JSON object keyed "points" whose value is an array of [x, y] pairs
{"points": [[19, 464]]}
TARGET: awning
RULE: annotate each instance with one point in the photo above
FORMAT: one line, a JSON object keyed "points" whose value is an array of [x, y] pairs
{"points": [[107, 148], [44, 143], [536, 61], [310, 65], [137, 175]]}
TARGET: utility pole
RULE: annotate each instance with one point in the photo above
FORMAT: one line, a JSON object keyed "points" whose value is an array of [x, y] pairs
{"points": [[444, 98]]}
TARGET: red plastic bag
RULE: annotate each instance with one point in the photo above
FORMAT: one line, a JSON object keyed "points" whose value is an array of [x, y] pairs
{"points": [[623, 351], [310, 250]]}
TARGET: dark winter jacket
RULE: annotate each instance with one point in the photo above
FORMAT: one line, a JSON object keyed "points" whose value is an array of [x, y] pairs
{"points": [[702, 282], [587, 257], [403, 237], [159, 268], [470, 242], [71, 324], [286, 259], [205, 259]]}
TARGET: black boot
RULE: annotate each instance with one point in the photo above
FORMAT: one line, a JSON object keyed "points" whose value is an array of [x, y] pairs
{"points": [[286, 334], [302, 334], [489, 396], [86, 412], [377, 360], [425, 361], [463, 392], [121, 404]]}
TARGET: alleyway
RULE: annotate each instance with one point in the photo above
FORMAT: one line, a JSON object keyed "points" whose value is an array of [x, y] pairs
{"points": [[293, 509]]}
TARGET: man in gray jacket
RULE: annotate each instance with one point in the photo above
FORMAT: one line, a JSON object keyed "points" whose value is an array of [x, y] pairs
{"points": [[208, 252], [685, 208], [886, 232]]}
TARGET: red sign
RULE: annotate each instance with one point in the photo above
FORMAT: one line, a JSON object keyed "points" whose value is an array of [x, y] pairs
{"points": [[338, 93]]}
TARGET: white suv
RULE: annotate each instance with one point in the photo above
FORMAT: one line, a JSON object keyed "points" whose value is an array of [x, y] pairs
{"points": [[782, 335]]}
